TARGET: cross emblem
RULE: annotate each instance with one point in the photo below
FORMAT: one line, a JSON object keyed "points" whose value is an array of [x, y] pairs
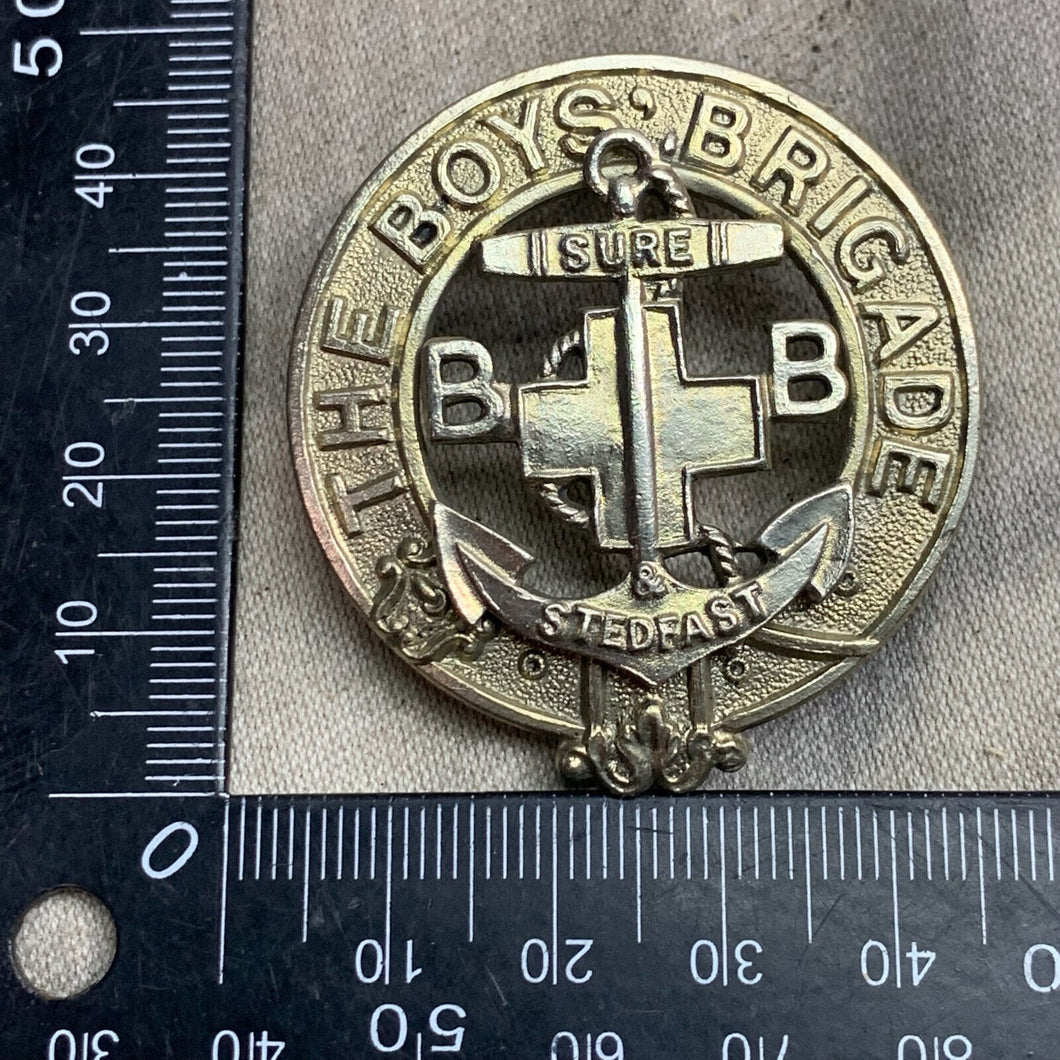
{"points": [[698, 425], [638, 425]]}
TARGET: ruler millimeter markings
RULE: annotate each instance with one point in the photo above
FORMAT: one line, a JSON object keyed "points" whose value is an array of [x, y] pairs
{"points": [[124, 181], [568, 927], [728, 926]]}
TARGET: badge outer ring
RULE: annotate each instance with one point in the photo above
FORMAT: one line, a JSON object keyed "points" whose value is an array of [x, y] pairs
{"points": [[771, 92]]}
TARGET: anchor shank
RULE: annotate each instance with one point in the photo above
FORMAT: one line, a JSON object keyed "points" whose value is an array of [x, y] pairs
{"points": [[639, 424]]}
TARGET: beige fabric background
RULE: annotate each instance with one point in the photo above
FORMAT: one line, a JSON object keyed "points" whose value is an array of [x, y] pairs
{"points": [[962, 98]]}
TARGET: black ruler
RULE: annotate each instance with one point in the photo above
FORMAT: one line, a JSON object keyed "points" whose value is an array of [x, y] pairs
{"points": [[569, 927], [122, 175], [786, 927]]}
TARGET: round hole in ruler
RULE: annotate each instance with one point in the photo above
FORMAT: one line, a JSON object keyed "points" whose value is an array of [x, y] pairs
{"points": [[64, 943]]}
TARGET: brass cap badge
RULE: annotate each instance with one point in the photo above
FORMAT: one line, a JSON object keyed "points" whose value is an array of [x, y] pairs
{"points": [[699, 632]]}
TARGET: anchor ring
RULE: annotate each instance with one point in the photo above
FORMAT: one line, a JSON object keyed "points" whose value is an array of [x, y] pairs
{"points": [[624, 191]]}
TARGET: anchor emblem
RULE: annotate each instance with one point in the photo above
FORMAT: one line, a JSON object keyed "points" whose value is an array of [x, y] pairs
{"points": [[641, 428]]}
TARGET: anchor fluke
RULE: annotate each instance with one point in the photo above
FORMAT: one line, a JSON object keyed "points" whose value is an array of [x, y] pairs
{"points": [[833, 508], [456, 535]]}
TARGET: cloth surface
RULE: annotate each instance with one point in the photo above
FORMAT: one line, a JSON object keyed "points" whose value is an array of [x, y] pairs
{"points": [[963, 99]]}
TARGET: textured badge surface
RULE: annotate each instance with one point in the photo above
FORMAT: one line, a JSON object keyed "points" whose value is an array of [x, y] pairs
{"points": [[543, 521]]}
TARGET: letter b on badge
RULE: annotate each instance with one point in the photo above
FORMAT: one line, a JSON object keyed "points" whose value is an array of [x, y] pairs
{"points": [[459, 379], [798, 380]]}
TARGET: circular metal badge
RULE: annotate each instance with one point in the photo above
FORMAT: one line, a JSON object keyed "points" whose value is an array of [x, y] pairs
{"points": [[557, 498]]}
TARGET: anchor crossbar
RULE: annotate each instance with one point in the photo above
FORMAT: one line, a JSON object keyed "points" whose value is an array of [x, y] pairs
{"points": [[632, 248]]}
